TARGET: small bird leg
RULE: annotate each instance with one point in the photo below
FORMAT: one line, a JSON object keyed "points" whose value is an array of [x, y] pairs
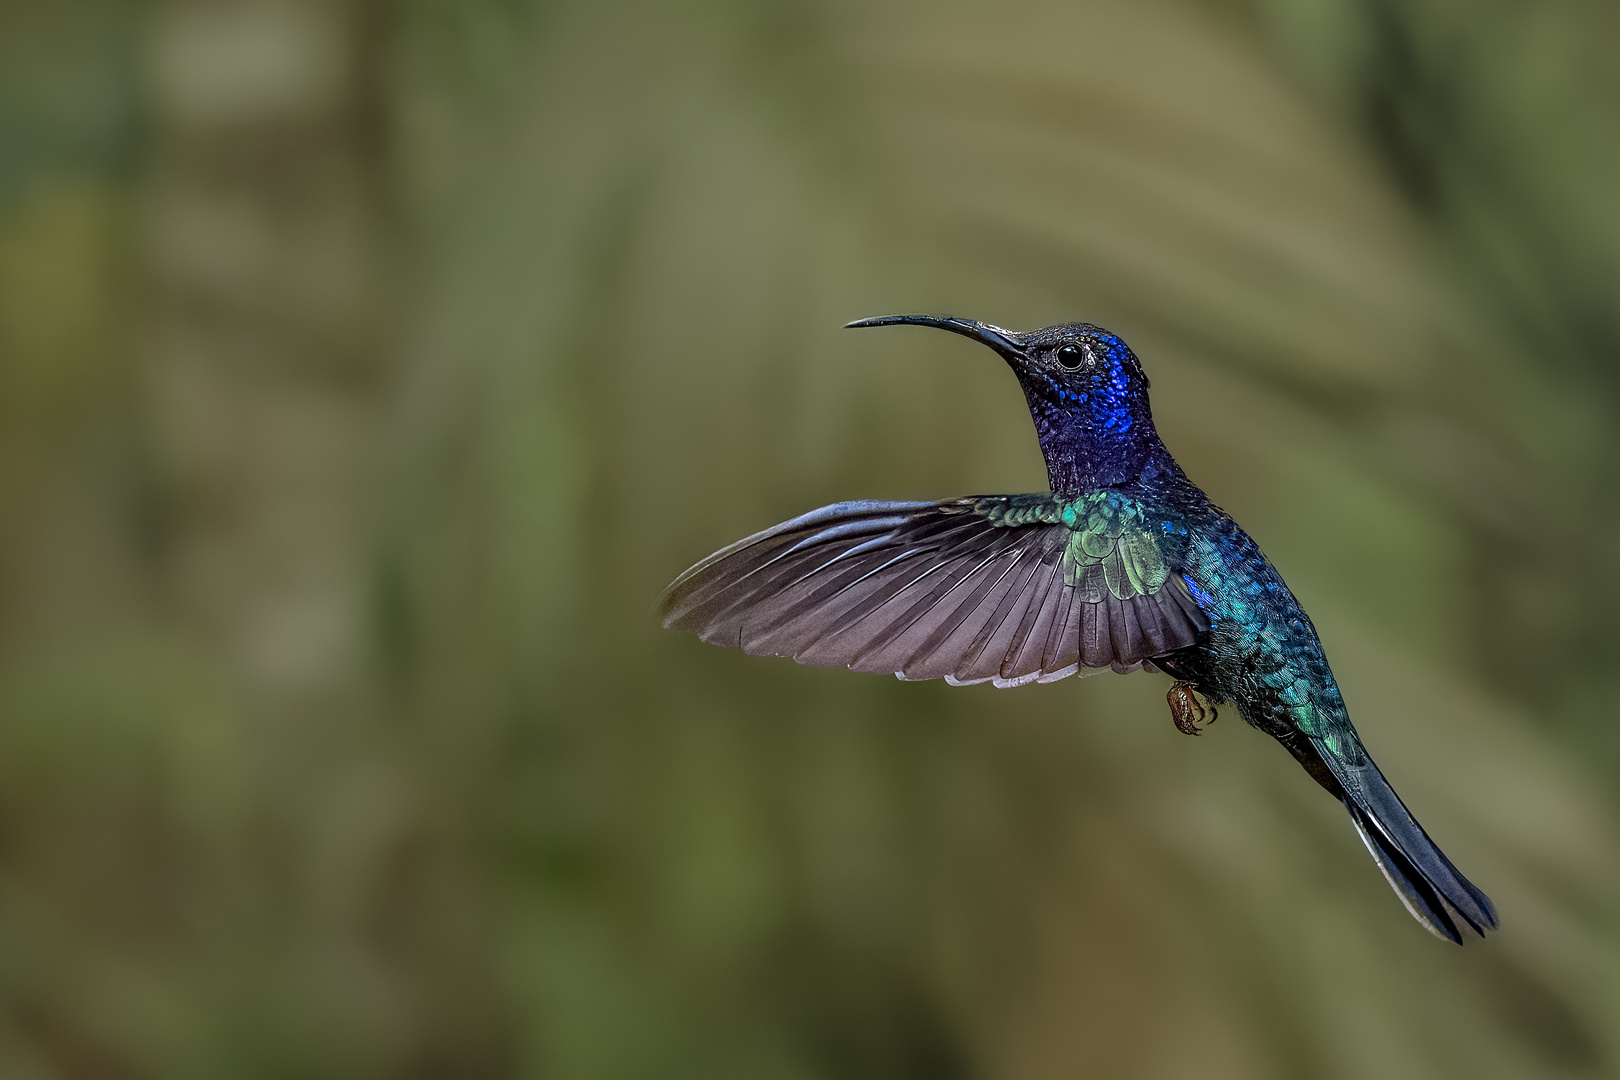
{"points": [[1186, 710]]}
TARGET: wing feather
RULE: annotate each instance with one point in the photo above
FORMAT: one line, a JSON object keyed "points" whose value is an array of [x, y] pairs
{"points": [[1003, 589]]}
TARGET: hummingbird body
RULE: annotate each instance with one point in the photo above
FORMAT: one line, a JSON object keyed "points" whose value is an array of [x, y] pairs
{"points": [[1125, 564]]}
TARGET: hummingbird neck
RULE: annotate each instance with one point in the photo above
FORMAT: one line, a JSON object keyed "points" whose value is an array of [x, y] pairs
{"points": [[1110, 444]]}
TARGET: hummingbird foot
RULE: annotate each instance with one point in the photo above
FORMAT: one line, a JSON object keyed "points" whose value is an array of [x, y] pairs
{"points": [[1187, 711]]}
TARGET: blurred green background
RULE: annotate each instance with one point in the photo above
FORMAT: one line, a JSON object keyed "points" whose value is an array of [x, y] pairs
{"points": [[368, 366]]}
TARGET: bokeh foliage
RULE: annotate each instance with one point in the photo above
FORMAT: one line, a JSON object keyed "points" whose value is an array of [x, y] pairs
{"points": [[367, 368]]}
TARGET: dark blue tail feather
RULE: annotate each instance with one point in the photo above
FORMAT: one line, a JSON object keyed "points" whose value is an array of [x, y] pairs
{"points": [[1429, 885], [1409, 884]]}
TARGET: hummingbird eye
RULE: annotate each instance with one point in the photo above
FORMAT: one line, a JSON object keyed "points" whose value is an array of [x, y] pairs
{"points": [[1071, 356]]}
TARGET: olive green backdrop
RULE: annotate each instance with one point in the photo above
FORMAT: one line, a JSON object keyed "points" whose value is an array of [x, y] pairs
{"points": [[367, 368]]}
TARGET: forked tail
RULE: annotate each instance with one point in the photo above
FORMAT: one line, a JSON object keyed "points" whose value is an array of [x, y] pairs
{"points": [[1432, 889]]}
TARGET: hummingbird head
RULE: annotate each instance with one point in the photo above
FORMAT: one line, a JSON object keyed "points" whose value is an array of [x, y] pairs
{"points": [[1086, 391]]}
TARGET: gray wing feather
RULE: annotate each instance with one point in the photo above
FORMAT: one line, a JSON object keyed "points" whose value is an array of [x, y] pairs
{"points": [[927, 591]]}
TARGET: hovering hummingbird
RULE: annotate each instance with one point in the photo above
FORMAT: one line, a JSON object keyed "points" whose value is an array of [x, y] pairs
{"points": [[1125, 564]]}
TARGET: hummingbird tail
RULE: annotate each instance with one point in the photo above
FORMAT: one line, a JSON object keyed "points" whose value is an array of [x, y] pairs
{"points": [[1432, 889], [1422, 899]]}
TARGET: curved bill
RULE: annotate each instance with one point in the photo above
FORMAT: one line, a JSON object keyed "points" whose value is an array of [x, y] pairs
{"points": [[1006, 342]]}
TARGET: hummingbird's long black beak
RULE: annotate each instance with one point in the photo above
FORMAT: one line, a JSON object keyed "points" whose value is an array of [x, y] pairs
{"points": [[1006, 342]]}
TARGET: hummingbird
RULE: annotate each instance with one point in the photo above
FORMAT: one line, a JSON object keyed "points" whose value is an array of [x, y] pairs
{"points": [[1124, 564]]}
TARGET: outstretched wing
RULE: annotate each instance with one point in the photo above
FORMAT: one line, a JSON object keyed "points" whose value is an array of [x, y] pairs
{"points": [[1006, 589]]}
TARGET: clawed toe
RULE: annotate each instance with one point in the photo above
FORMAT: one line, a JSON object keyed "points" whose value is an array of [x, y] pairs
{"points": [[1187, 711]]}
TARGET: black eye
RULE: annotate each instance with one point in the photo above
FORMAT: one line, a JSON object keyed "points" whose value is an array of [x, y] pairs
{"points": [[1070, 356]]}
